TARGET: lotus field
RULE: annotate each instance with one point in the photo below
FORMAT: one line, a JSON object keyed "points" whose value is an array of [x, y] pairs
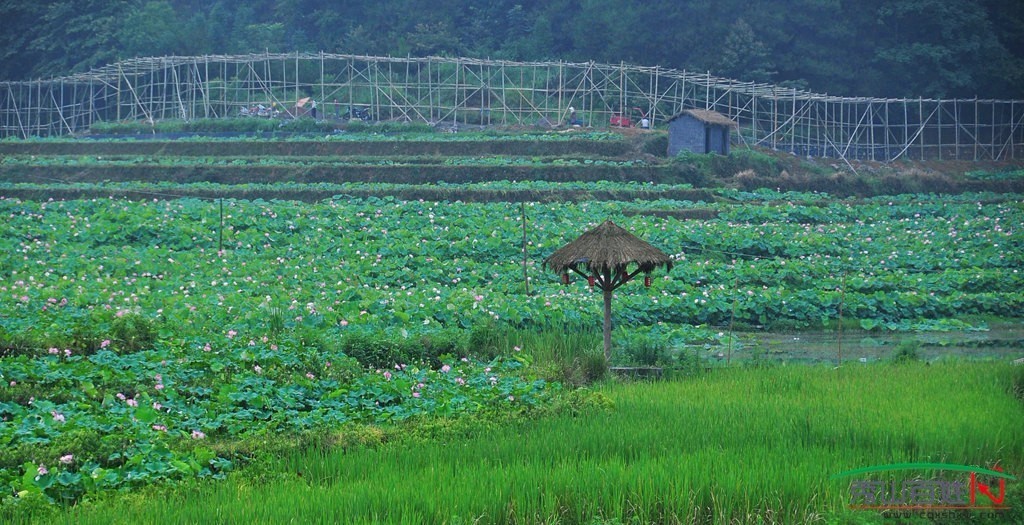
{"points": [[148, 341]]}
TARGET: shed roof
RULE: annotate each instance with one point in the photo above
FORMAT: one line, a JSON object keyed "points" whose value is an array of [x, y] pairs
{"points": [[707, 117]]}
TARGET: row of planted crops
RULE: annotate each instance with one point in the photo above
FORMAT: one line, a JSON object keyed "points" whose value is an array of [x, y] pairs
{"points": [[142, 340], [374, 262]]}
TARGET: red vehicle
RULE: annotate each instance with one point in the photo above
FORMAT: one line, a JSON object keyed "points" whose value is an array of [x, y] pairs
{"points": [[625, 121], [621, 121]]}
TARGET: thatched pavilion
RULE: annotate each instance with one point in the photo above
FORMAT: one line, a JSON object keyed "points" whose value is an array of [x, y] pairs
{"points": [[609, 257]]}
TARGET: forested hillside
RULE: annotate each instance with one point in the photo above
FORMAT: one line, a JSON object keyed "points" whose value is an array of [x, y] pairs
{"points": [[892, 48]]}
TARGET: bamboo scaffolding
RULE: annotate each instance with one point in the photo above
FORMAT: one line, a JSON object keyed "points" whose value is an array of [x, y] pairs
{"points": [[469, 90]]}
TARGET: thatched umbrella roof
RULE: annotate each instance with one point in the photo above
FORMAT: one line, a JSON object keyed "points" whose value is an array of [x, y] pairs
{"points": [[607, 247], [602, 255]]}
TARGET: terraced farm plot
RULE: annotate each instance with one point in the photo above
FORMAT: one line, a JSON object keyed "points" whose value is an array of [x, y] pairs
{"points": [[164, 310]]}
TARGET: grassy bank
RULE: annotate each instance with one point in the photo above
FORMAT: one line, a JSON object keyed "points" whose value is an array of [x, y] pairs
{"points": [[735, 446]]}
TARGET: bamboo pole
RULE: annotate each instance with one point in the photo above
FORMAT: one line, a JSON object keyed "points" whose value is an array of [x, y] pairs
{"points": [[920, 134], [955, 114], [92, 103], [203, 86], [775, 122], [939, 127], [17, 113], [992, 132], [560, 88], [871, 130], [886, 124], [906, 125]]}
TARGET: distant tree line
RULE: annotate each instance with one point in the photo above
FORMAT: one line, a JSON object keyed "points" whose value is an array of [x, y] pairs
{"points": [[886, 48]]}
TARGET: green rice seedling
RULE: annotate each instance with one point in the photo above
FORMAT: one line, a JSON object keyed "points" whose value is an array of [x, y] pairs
{"points": [[739, 445]]}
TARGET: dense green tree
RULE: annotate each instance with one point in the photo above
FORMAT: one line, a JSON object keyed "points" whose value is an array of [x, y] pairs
{"points": [[17, 59], [76, 36], [144, 31], [939, 48], [931, 48], [743, 55]]}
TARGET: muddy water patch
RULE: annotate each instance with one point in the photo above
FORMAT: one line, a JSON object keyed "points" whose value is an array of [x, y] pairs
{"points": [[1003, 341]]}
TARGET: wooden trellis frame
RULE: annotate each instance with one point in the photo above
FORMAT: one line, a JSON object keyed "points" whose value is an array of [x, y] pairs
{"points": [[467, 91]]}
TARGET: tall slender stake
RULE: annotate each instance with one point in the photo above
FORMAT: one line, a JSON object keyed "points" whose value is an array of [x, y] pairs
{"points": [[607, 318], [526, 278], [732, 321], [842, 297], [220, 231]]}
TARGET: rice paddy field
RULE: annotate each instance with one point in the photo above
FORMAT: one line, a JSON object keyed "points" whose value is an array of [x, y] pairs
{"points": [[348, 337], [739, 445]]}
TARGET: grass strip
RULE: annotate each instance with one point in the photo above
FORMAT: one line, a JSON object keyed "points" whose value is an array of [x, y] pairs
{"points": [[735, 446]]}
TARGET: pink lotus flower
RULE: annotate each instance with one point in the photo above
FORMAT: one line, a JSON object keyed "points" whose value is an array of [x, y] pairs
{"points": [[132, 402], [67, 459], [198, 434], [387, 375], [160, 428], [42, 470], [57, 416], [415, 394], [105, 343], [309, 375], [445, 369], [258, 369]]}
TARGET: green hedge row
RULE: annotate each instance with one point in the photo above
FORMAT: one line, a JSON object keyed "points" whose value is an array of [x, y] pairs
{"points": [[314, 174], [321, 148], [313, 195]]}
